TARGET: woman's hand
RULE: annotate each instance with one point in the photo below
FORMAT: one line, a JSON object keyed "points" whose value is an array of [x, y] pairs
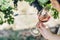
{"points": [[43, 28], [44, 31]]}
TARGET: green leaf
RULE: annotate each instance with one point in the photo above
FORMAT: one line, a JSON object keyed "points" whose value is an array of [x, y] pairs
{"points": [[55, 13], [43, 1], [1, 21], [30, 1], [4, 4], [3, 8]]}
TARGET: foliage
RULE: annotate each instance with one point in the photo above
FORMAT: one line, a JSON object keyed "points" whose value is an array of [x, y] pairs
{"points": [[6, 11], [6, 15], [30, 1], [54, 12], [43, 1], [44, 4], [4, 4]]}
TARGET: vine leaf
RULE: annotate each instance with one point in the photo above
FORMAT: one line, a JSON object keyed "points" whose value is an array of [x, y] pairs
{"points": [[43, 1], [30, 1]]}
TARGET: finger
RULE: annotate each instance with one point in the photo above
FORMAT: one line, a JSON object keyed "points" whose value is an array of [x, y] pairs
{"points": [[41, 27], [42, 32], [38, 24]]}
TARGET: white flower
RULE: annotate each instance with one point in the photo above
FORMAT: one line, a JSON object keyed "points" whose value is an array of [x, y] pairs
{"points": [[28, 19], [23, 5], [25, 8], [32, 10]]}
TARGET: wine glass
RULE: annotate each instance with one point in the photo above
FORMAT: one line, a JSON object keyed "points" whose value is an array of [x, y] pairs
{"points": [[44, 17]]}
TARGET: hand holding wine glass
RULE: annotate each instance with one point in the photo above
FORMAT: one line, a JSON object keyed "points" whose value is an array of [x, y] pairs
{"points": [[45, 32], [43, 17]]}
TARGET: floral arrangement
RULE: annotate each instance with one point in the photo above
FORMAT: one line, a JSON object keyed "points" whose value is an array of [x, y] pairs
{"points": [[8, 12], [15, 18], [27, 16], [6, 7]]}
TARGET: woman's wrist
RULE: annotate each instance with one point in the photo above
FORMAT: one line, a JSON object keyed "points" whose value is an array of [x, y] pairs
{"points": [[50, 36], [54, 37]]}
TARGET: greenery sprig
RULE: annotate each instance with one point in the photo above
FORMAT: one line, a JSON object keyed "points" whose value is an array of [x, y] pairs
{"points": [[6, 10]]}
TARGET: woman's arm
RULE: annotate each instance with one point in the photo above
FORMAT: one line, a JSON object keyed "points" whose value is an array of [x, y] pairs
{"points": [[46, 32], [55, 4], [54, 37]]}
